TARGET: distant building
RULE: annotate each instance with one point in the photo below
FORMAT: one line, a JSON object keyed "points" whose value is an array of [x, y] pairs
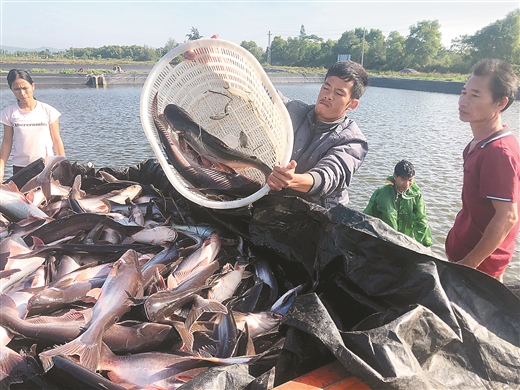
{"points": [[343, 57]]}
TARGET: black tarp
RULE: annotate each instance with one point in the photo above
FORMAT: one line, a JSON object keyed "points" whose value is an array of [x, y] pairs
{"points": [[391, 312]]}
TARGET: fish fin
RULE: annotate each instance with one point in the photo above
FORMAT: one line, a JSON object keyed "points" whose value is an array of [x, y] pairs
{"points": [[180, 276], [72, 315], [87, 354], [122, 382], [6, 302], [225, 168], [207, 351], [107, 176], [11, 186], [186, 336], [188, 375], [76, 188], [36, 241], [14, 365], [30, 196], [171, 282], [135, 301], [202, 306], [94, 293], [46, 189]]}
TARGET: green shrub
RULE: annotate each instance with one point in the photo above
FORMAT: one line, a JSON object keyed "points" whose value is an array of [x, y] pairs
{"points": [[39, 70]]}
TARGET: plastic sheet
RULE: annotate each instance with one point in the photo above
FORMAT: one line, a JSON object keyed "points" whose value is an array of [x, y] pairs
{"points": [[393, 314]]}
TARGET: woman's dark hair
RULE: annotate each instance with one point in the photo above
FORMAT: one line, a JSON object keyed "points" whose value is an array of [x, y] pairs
{"points": [[503, 80], [18, 74], [404, 169], [350, 71]]}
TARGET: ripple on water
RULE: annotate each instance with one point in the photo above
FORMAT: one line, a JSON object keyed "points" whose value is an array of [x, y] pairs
{"points": [[102, 125]]}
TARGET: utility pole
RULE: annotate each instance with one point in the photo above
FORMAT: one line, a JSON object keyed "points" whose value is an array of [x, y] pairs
{"points": [[363, 47], [269, 48]]}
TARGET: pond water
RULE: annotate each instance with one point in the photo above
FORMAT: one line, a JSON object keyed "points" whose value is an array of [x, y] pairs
{"points": [[102, 125]]}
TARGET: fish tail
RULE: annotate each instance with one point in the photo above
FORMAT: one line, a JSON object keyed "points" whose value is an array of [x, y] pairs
{"points": [[87, 354], [185, 335], [12, 367], [203, 306]]}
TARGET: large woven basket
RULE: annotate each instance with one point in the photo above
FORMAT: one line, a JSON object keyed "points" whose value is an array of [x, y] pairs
{"points": [[227, 92]]}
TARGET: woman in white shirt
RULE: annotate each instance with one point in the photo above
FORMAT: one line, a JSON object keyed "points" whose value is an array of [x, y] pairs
{"points": [[31, 128]]}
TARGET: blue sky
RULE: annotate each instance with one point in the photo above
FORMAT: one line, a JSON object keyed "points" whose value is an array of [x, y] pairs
{"points": [[70, 23]]}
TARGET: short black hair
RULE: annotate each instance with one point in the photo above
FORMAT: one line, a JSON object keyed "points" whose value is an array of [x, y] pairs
{"points": [[18, 74], [503, 79], [350, 71], [404, 169]]}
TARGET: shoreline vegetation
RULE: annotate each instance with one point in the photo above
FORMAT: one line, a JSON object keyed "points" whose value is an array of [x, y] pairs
{"points": [[419, 55], [132, 67]]}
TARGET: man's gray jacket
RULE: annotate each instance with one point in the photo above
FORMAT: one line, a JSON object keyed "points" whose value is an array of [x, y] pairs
{"points": [[330, 152]]}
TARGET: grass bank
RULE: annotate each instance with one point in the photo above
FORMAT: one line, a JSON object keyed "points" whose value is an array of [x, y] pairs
{"points": [[72, 67]]}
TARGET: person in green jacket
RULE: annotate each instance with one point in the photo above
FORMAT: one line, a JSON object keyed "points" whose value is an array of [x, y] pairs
{"points": [[400, 204]]}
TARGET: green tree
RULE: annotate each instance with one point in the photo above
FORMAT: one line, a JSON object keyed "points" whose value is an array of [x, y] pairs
{"points": [[194, 34], [500, 39], [423, 43], [350, 43], [327, 54], [375, 56], [254, 49], [303, 35], [395, 51], [169, 45], [278, 52]]}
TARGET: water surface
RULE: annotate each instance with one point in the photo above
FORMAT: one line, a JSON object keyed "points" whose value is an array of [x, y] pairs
{"points": [[102, 125]]}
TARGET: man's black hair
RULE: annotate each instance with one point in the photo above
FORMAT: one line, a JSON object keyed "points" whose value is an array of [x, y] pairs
{"points": [[404, 169], [350, 71], [503, 80]]}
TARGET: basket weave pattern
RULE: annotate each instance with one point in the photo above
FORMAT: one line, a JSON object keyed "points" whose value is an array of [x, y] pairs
{"points": [[226, 92]]}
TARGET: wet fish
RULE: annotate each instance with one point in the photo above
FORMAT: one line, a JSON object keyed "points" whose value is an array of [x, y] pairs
{"points": [[124, 282], [15, 205], [26, 266], [55, 329], [156, 236], [56, 168], [225, 331], [136, 336], [60, 228], [54, 298], [202, 256], [227, 282], [162, 304], [282, 304], [257, 323], [147, 370], [209, 146], [202, 178], [13, 367], [266, 275]]}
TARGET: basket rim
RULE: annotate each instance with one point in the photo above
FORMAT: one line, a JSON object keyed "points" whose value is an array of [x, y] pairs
{"points": [[151, 133]]}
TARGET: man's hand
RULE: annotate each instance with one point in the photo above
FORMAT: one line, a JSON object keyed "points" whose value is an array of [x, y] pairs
{"points": [[505, 218], [190, 54], [281, 177]]}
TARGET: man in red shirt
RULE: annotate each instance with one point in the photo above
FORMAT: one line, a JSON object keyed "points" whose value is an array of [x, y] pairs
{"points": [[484, 233]]}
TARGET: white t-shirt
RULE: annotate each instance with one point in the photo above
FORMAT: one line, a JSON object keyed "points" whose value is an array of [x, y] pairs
{"points": [[31, 131]]}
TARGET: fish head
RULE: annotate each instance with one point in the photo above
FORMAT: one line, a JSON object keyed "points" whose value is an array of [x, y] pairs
{"points": [[178, 118], [128, 259]]}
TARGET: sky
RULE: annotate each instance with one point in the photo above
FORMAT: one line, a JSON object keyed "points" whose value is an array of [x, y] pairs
{"points": [[32, 24]]}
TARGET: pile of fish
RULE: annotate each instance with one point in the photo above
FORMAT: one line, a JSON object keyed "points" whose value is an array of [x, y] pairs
{"points": [[113, 276], [204, 160]]}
